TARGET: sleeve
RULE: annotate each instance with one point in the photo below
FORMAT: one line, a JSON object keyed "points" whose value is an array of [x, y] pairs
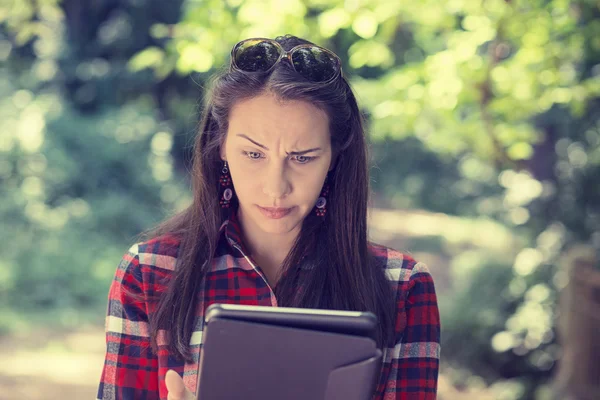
{"points": [[130, 367], [414, 363]]}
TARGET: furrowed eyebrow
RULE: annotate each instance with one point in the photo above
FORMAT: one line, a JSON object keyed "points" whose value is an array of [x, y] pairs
{"points": [[292, 153]]}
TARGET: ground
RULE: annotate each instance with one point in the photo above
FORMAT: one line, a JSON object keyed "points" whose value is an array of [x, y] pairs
{"points": [[54, 365]]}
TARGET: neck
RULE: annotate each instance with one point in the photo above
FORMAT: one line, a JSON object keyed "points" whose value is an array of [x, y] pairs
{"points": [[267, 249]]}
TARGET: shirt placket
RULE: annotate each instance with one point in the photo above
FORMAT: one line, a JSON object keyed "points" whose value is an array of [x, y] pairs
{"points": [[257, 270]]}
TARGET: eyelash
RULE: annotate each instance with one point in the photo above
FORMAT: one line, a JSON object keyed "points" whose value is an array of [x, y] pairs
{"points": [[247, 153]]}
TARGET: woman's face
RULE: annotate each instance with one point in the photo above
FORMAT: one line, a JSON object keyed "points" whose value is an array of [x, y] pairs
{"points": [[279, 154]]}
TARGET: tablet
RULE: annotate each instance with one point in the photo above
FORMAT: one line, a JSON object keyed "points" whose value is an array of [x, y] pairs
{"points": [[357, 323], [264, 353]]}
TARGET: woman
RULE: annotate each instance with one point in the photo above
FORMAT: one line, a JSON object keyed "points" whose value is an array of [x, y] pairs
{"points": [[279, 218]]}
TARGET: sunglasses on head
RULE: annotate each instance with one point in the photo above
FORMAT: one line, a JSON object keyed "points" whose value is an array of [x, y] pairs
{"points": [[314, 63]]}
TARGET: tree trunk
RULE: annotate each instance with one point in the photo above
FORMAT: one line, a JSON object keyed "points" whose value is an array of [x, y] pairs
{"points": [[578, 376]]}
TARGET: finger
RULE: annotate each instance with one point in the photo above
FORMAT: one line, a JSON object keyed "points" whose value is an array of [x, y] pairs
{"points": [[175, 387]]}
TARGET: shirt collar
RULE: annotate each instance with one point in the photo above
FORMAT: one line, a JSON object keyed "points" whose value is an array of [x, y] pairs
{"points": [[232, 230]]}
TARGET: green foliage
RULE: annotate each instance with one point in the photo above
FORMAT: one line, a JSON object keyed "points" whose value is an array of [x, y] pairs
{"points": [[475, 108], [72, 186], [501, 326]]}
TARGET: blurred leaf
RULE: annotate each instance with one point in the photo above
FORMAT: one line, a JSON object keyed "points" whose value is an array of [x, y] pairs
{"points": [[331, 21], [520, 151], [365, 24], [147, 58], [370, 53], [194, 57]]}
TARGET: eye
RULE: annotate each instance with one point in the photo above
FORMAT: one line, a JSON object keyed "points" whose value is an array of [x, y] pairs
{"points": [[253, 155], [304, 159]]}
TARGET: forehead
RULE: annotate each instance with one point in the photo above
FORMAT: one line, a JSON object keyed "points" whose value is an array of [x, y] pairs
{"points": [[270, 118]]}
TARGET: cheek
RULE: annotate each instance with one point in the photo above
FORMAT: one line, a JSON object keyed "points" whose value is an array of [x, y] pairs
{"points": [[308, 189], [246, 183], [242, 178]]}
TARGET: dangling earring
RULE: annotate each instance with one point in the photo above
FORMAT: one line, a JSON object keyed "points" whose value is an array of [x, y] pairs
{"points": [[227, 193], [322, 201]]}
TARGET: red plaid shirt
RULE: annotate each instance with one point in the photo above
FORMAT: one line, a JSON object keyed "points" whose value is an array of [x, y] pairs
{"points": [[133, 371]]}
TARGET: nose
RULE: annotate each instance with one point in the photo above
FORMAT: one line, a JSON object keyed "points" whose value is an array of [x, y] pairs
{"points": [[276, 184]]}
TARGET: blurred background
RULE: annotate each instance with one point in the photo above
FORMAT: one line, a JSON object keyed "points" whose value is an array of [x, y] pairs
{"points": [[484, 127]]}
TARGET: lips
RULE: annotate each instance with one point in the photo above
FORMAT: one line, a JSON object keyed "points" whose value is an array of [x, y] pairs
{"points": [[275, 212], [275, 209]]}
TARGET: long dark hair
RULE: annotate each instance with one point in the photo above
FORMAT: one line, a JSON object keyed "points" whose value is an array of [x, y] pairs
{"points": [[344, 275]]}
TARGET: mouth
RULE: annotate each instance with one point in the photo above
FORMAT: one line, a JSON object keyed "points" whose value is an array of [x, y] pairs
{"points": [[275, 212]]}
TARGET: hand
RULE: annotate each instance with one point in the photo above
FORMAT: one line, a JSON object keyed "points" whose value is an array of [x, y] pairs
{"points": [[176, 388]]}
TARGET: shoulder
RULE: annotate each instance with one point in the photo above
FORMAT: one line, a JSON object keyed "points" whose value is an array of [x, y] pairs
{"points": [[146, 260], [145, 268], [399, 267], [417, 319], [158, 252]]}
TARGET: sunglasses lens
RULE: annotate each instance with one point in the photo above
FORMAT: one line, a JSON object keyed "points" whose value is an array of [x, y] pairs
{"points": [[315, 64], [256, 55]]}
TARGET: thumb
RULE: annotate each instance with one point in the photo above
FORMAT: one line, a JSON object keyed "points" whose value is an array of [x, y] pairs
{"points": [[175, 387]]}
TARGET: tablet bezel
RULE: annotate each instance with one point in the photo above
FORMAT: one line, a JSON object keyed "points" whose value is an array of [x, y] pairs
{"points": [[356, 323]]}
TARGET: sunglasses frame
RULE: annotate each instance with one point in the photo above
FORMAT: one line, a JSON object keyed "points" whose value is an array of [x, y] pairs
{"points": [[287, 55]]}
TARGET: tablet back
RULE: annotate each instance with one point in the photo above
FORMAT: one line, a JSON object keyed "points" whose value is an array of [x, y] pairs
{"points": [[252, 360]]}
